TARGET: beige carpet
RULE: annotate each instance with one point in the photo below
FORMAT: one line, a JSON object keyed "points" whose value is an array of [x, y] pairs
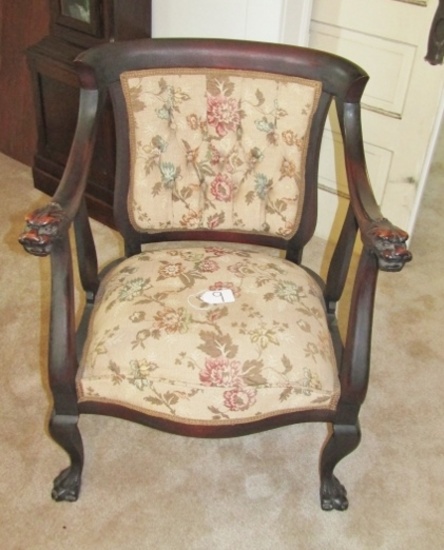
{"points": [[146, 489]]}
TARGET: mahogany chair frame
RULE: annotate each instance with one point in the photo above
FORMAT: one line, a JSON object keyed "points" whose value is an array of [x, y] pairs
{"points": [[47, 234]]}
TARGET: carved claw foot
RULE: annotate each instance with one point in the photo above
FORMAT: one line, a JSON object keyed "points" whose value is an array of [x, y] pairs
{"points": [[333, 495], [67, 485]]}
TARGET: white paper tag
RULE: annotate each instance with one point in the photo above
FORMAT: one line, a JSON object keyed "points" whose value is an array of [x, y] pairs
{"points": [[222, 296]]}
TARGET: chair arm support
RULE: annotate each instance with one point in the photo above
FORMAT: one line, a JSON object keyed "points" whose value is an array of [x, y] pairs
{"points": [[387, 242], [356, 355], [62, 359]]}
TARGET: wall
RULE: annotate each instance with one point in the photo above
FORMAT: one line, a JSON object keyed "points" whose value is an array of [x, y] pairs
{"points": [[266, 20]]}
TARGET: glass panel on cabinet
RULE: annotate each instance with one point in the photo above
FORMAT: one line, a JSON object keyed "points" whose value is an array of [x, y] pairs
{"points": [[77, 9]]}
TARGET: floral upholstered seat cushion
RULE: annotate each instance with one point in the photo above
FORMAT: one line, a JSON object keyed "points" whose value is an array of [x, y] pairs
{"points": [[209, 335], [218, 149]]}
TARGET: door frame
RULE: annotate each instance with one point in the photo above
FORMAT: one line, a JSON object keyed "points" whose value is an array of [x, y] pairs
{"points": [[422, 183]]}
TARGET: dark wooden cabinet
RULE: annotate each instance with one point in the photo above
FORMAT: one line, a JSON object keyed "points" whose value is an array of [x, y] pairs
{"points": [[76, 25], [22, 23]]}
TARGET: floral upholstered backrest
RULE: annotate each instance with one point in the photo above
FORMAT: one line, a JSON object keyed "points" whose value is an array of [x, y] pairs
{"points": [[218, 149]]}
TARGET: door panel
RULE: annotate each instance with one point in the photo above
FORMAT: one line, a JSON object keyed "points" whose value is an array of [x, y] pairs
{"points": [[388, 62]]}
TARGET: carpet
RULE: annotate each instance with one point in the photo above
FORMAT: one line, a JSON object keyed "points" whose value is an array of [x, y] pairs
{"points": [[144, 489]]}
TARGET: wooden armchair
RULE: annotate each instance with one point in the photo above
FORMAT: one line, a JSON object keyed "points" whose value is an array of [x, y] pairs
{"points": [[214, 336]]}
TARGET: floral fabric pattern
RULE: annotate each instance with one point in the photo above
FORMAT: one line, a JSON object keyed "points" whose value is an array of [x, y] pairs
{"points": [[220, 150], [159, 345]]}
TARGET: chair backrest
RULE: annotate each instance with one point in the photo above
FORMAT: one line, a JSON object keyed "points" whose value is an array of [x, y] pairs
{"points": [[218, 139]]}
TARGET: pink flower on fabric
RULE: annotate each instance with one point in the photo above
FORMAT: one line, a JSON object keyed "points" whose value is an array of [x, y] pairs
{"points": [[223, 113], [222, 188], [220, 372], [239, 399], [208, 266]]}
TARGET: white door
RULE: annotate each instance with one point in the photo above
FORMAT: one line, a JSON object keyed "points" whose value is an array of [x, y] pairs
{"points": [[285, 21], [402, 103]]}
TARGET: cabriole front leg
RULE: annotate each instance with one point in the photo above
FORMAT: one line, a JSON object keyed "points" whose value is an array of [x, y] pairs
{"points": [[65, 432], [341, 442]]}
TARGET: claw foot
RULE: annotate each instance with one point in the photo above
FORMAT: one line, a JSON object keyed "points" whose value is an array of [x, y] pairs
{"points": [[66, 486], [333, 495]]}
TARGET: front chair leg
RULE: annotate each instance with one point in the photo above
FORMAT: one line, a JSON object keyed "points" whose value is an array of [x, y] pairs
{"points": [[341, 442], [65, 432]]}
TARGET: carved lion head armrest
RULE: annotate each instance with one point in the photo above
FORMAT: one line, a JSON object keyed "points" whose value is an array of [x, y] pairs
{"points": [[43, 227], [387, 242]]}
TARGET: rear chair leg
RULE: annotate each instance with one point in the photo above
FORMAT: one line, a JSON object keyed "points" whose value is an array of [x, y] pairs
{"points": [[65, 432], [341, 442]]}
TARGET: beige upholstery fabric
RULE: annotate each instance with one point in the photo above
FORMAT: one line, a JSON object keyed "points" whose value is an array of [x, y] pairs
{"points": [[218, 149], [157, 345]]}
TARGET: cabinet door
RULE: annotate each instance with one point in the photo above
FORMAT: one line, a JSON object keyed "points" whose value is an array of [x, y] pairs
{"points": [[21, 24], [81, 15]]}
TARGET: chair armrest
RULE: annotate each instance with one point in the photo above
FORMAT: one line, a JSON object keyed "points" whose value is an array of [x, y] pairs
{"points": [[380, 237], [387, 242], [46, 225]]}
